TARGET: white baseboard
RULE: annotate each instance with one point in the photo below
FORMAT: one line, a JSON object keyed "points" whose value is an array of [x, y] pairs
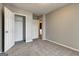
{"points": [[29, 41], [0, 52], [35, 38], [64, 45], [43, 38]]}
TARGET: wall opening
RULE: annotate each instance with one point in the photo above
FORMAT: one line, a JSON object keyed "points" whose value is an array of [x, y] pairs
{"points": [[20, 28], [40, 29]]}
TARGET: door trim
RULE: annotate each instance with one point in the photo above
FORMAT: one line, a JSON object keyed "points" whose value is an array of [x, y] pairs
{"points": [[3, 25]]}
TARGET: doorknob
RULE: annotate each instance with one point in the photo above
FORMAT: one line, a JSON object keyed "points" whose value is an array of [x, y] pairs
{"points": [[6, 31]]}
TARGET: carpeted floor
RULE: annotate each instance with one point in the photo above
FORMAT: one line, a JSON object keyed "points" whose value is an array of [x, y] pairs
{"points": [[40, 48]]}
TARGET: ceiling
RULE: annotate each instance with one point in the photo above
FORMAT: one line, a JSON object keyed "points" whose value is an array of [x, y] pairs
{"points": [[38, 8]]}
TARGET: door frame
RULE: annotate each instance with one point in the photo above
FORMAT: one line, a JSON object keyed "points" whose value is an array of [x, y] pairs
{"points": [[43, 27], [24, 26], [3, 29]]}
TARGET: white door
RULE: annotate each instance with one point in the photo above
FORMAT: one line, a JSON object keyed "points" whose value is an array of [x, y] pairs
{"points": [[18, 28], [9, 29]]}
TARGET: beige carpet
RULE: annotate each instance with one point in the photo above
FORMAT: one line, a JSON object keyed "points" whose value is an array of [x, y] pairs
{"points": [[40, 48]]}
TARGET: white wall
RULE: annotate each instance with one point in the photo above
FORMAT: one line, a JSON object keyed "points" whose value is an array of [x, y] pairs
{"points": [[62, 26], [29, 19], [35, 29], [44, 27], [0, 27]]}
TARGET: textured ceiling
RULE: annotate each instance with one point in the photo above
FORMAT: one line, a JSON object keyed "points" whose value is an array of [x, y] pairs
{"points": [[38, 8]]}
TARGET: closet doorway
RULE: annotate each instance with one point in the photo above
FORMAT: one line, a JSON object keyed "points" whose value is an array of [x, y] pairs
{"points": [[20, 28]]}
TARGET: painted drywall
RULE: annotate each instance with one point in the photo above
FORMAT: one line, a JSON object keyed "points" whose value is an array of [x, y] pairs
{"points": [[35, 29], [29, 19], [44, 27], [62, 26], [0, 27]]}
